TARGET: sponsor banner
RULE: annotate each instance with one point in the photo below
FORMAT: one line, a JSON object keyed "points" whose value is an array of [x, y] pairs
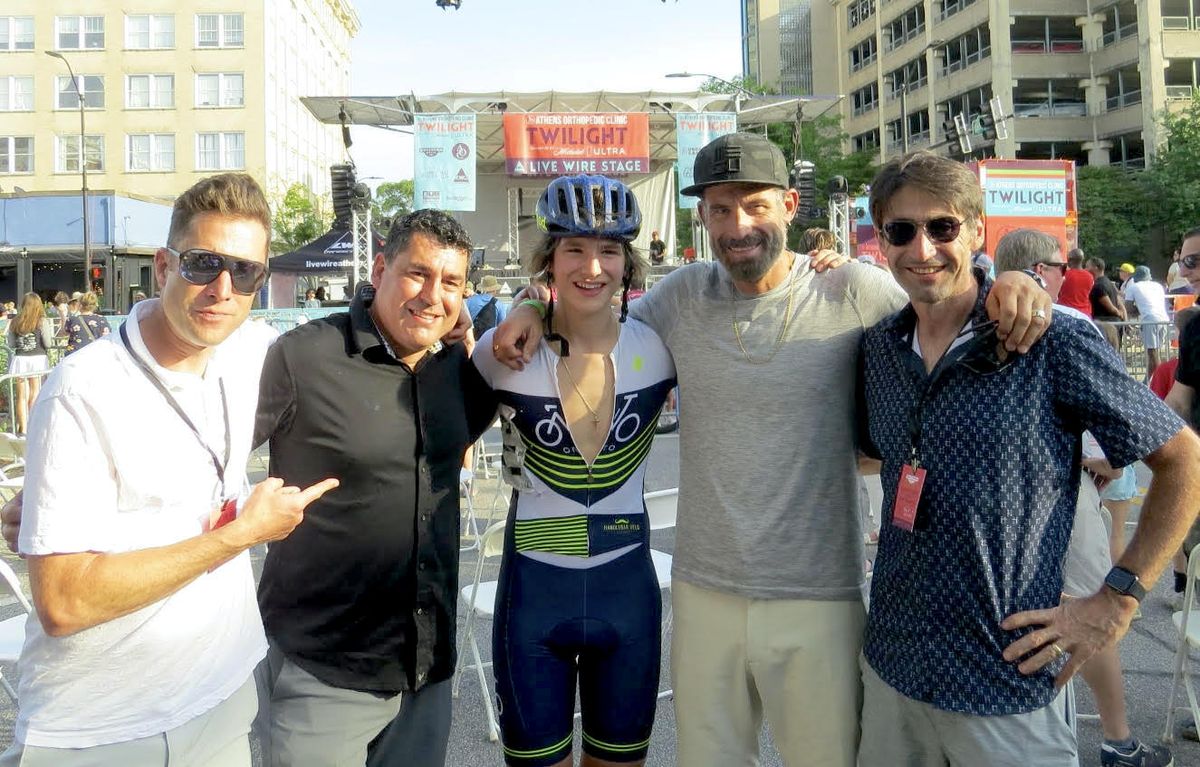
{"points": [[998, 226], [444, 170], [1016, 193], [692, 132], [866, 243], [558, 144]]}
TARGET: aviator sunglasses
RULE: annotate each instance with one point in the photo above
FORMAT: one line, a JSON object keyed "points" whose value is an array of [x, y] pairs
{"points": [[901, 231], [201, 267]]}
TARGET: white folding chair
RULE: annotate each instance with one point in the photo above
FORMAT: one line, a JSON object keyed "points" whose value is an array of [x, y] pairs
{"points": [[662, 508], [12, 455], [466, 488], [1187, 621], [487, 452], [480, 598], [12, 630]]}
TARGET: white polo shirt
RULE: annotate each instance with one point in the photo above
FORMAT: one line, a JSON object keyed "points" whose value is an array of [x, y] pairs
{"points": [[112, 467]]}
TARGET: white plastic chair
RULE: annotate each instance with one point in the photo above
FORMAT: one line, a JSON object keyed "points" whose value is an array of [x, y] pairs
{"points": [[1187, 622], [12, 455], [487, 452], [12, 630], [480, 598], [662, 508], [466, 487]]}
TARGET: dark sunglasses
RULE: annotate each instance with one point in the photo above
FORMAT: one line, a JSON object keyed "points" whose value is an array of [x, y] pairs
{"points": [[201, 267], [1061, 265], [1190, 261], [902, 231], [982, 357]]}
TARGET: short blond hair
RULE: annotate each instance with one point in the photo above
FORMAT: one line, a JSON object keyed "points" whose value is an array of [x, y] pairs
{"points": [[88, 302], [229, 194]]}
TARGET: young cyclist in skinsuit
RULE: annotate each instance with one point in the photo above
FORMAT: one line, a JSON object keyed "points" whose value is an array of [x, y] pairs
{"points": [[578, 598]]}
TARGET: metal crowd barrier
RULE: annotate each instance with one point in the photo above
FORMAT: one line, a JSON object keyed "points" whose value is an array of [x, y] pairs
{"points": [[1133, 351]]}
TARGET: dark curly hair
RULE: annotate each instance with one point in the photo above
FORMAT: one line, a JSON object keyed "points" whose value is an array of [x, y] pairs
{"points": [[434, 224]]}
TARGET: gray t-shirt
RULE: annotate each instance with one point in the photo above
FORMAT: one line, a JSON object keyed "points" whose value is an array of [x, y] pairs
{"points": [[768, 499]]}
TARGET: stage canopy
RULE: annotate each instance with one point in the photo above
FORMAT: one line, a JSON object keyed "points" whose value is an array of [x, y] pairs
{"points": [[397, 112]]}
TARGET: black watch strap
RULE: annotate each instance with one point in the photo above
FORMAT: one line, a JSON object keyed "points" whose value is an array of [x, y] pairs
{"points": [[1125, 582]]}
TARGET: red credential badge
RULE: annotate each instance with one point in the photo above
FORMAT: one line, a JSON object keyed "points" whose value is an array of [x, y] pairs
{"points": [[908, 496]]}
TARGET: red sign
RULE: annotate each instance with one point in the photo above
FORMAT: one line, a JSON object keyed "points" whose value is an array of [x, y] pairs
{"points": [[557, 144]]}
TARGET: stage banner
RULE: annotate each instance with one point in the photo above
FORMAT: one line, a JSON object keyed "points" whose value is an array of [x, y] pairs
{"points": [[444, 168], [692, 132], [1025, 192], [557, 144]]}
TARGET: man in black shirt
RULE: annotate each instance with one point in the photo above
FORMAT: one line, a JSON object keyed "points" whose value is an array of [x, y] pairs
{"points": [[658, 249], [1183, 399], [359, 605], [1106, 301]]}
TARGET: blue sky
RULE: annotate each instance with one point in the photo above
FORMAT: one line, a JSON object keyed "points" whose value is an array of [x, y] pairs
{"points": [[621, 45]]}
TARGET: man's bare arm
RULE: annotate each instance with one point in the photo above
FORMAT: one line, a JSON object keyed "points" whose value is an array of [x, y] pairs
{"points": [[73, 592], [1082, 627], [1180, 399]]}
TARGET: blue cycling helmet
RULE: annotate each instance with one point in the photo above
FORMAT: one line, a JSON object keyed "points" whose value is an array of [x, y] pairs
{"points": [[589, 206]]}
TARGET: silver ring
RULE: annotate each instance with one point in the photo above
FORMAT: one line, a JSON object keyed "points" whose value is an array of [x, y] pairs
{"points": [[1039, 314]]}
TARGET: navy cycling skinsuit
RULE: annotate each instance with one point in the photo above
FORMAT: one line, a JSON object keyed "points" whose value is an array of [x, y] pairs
{"points": [[577, 594]]}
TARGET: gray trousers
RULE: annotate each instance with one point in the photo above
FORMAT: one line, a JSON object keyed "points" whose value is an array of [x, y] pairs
{"points": [[218, 738], [898, 731], [304, 722]]}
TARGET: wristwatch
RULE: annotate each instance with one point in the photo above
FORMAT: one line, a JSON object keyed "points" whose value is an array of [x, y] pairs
{"points": [[1126, 583]]}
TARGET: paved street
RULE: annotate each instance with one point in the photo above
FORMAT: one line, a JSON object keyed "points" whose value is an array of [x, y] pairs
{"points": [[1147, 653]]}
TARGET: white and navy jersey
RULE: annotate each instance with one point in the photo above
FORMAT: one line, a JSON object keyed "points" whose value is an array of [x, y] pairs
{"points": [[564, 512]]}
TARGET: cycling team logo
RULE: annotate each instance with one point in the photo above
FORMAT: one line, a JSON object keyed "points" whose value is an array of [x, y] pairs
{"points": [[553, 432]]}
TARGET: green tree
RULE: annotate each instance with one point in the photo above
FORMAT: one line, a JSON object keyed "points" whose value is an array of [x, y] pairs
{"points": [[1174, 176], [1115, 208], [298, 218], [392, 199]]}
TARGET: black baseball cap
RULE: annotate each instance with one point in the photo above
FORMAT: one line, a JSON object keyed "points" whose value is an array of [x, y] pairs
{"points": [[742, 158]]}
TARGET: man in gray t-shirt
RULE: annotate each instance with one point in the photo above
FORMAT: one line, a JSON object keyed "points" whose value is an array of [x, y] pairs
{"points": [[769, 554]]}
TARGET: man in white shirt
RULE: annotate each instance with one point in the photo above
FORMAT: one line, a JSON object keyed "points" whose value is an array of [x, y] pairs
{"points": [[147, 629], [1150, 300]]}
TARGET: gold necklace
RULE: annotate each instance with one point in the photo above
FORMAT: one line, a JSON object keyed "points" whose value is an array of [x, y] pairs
{"points": [[787, 321], [575, 386]]}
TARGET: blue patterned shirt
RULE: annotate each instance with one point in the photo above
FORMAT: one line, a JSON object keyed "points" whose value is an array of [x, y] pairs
{"points": [[1001, 448]]}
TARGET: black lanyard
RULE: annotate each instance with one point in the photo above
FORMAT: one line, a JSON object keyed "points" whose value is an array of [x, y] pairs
{"points": [[217, 464]]}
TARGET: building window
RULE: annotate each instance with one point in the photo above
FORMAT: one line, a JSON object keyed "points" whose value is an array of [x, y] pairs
{"points": [[143, 32], [16, 154], [220, 151], [862, 54], [149, 91], [865, 99], [66, 155], [220, 89], [16, 33], [93, 92], [219, 30], [868, 141], [150, 152], [79, 32], [16, 93], [905, 27], [858, 11]]}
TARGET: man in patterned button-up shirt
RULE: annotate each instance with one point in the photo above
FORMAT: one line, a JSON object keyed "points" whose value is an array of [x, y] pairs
{"points": [[965, 634]]}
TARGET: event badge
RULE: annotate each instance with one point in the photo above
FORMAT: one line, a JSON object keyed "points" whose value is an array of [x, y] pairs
{"points": [[908, 496]]}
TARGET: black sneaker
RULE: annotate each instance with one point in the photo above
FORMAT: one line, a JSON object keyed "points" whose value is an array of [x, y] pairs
{"points": [[1142, 755]]}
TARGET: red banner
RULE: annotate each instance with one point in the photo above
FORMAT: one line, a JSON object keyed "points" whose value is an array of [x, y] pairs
{"points": [[557, 144]]}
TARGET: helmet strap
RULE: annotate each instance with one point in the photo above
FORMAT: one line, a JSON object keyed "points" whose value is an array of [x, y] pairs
{"points": [[625, 283], [564, 345]]}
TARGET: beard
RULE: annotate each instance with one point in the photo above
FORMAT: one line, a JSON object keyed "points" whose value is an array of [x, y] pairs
{"points": [[754, 269]]}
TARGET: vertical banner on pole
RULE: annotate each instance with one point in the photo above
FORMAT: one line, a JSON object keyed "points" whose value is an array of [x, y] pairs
{"points": [[444, 165], [692, 132]]}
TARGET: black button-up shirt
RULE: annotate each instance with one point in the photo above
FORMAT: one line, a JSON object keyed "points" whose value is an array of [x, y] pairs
{"points": [[362, 594]]}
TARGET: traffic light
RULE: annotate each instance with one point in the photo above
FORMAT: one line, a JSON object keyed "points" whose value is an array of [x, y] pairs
{"points": [[342, 190], [994, 125], [804, 181], [956, 132]]}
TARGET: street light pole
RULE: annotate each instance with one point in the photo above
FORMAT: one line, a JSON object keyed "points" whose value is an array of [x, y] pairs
{"points": [[87, 240]]}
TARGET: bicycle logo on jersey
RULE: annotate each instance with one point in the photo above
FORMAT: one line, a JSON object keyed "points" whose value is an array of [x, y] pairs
{"points": [[552, 430]]}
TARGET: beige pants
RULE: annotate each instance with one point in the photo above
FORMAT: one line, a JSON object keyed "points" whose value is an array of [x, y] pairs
{"points": [[734, 659]]}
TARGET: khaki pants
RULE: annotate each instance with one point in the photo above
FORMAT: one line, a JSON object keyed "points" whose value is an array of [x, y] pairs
{"points": [[219, 738], [734, 659]]}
